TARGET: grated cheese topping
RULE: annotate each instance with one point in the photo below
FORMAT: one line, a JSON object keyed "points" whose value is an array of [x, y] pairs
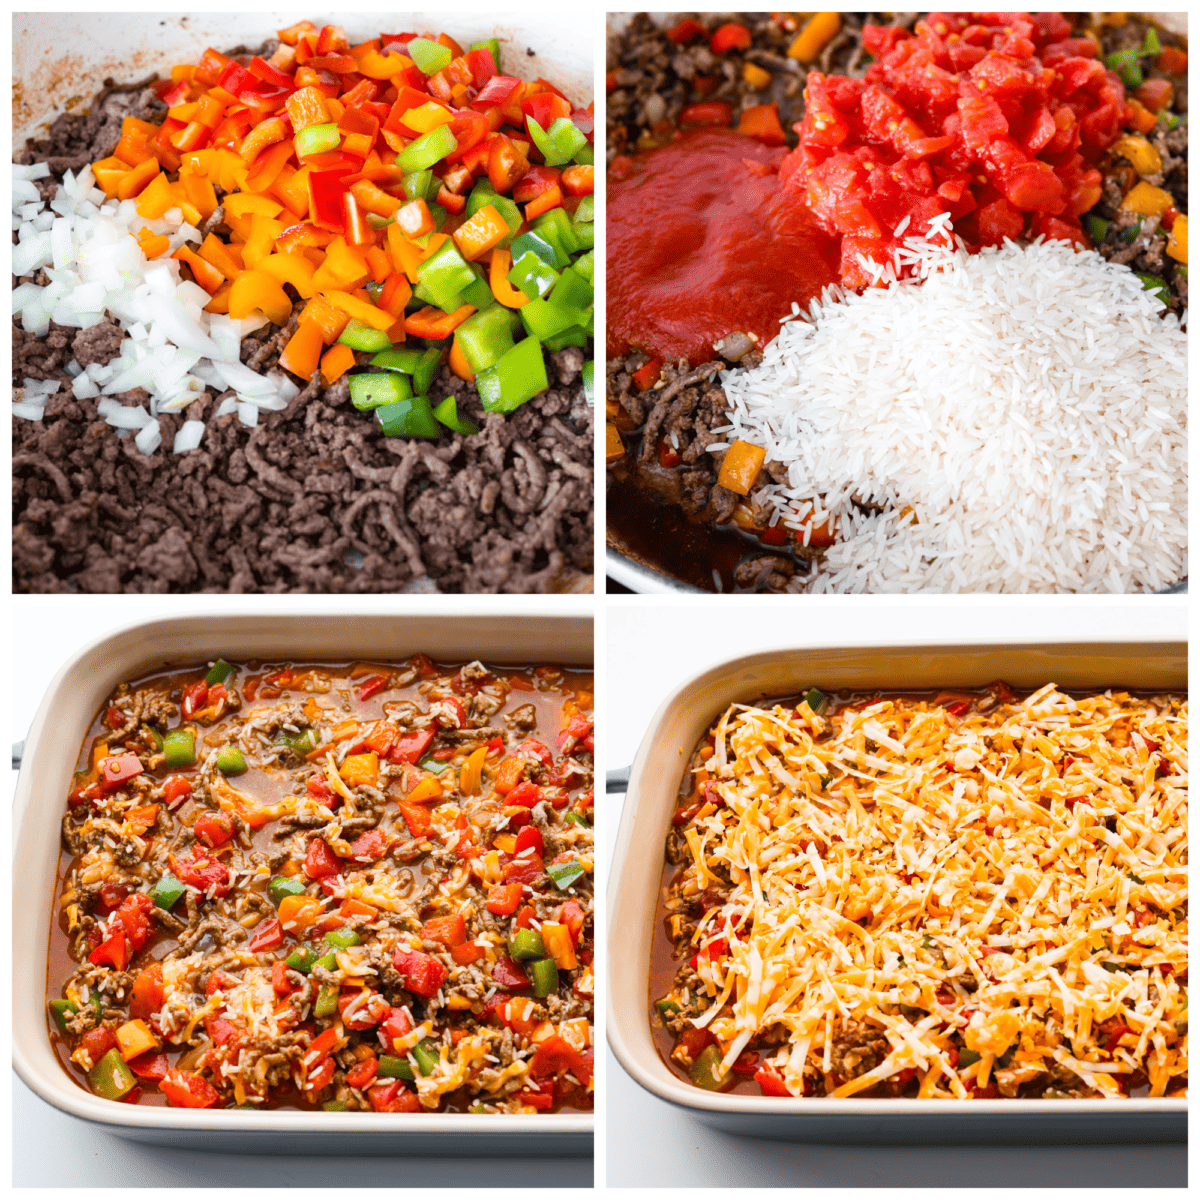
{"points": [[1012, 880]]}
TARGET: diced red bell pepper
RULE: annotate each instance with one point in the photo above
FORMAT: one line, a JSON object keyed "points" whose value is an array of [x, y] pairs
{"points": [[371, 686], [393, 1096], [268, 935], [195, 696], [410, 747], [770, 1083], [504, 899], [321, 861], [137, 915], [369, 846], [114, 950], [417, 818], [686, 31], [534, 182], [146, 994], [98, 1042], [584, 119], [184, 1090], [509, 974], [393, 1027], [201, 871], [280, 982], [175, 789], [530, 836], [118, 770], [731, 36], [366, 1013], [152, 1065], [363, 1075], [506, 164], [423, 974], [572, 915], [496, 93], [523, 870], [213, 829], [554, 1056], [545, 108]]}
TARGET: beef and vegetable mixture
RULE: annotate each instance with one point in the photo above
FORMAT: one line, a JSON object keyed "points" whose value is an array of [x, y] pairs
{"points": [[688, 93], [349, 350], [360, 887], [970, 894]]}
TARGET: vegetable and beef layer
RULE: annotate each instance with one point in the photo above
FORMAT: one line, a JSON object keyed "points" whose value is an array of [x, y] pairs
{"points": [[361, 887], [664, 77], [951, 895], [314, 498]]}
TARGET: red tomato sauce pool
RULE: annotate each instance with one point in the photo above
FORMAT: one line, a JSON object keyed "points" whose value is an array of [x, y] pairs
{"points": [[703, 241]]}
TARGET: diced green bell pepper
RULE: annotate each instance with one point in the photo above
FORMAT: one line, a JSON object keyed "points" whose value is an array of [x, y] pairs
{"points": [[555, 227], [706, 1071], [667, 1007], [486, 336], [283, 885], [544, 319], [219, 672], [358, 335], [342, 939], [534, 241], [430, 56], [427, 763], [1155, 284], [428, 149], [370, 391], [477, 294], [420, 185], [426, 1054], [492, 46], [317, 139], [444, 275], [577, 335], [230, 760], [558, 144], [335, 1106], [532, 276], [573, 290], [328, 961], [585, 212], [565, 874], [156, 738], [967, 1058], [111, 1077], [304, 742], [303, 958], [166, 891], [586, 155], [391, 1067], [816, 699], [543, 974], [585, 234], [179, 747], [477, 1108], [422, 365], [589, 382], [526, 943], [585, 264], [577, 818], [447, 413], [409, 418], [1097, 227], [377, 222], [517, 377], [327, 999], [59, 1010]]}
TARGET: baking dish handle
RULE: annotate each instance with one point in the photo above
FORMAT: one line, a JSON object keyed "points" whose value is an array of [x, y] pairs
{"points": [[19, 754], [618, 780]]}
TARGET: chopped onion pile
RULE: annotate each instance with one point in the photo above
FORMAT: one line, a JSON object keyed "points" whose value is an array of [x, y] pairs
{"points": [[172, 347]]}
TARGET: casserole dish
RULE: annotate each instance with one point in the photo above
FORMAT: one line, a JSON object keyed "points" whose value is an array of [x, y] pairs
{"points": [[71, 701], [638, 860]]}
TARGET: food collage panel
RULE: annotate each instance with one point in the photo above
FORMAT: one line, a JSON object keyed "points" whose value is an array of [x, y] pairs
{"points": [[887, 678]]}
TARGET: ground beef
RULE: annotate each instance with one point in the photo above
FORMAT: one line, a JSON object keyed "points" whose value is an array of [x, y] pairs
{"points": [[313, 499], [666, 430]]}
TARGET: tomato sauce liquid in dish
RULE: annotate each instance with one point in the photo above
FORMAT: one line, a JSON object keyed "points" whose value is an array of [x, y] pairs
{"points": [[703, 241]]}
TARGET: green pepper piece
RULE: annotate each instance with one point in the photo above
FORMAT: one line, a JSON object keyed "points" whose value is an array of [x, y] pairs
{"points": [[369, 391], [430, 56], [156, 738], [59, 1009], [1097, 227], [282, 886], [327, 999], [586, 155], [404, 359], [391, 1067], [705, 1072], [967, 1058], [166, 891], [483, 194], [486, 336], [477, 1108], [342, 939], [427, 150], [427, 763], [816, 699], [1155, 284], [558, 144], [572, 290], [585, 213], [409, 418], [447, 413], [230, 760], [492, 46], [518, 376], [577, 818], [218, 672], [565, 874], [377, 222], [111, 1077], [317, 139], [358, 335], [556, 228], [585, 234], [427, 1056], [536, 242], [532, 276], [301, 959], [1178, 119], [304, 742], [543, 974], [179, 747], [543, 319], [478, 294], [577, 335], [328, 961], [444, 275], [420, 185], [667, 1007], [526, 943], [585, 264], [589, 382], [335, 1106]]}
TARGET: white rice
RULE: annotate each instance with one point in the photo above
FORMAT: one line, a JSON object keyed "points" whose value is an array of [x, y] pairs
{"points": [[1027, 406]]}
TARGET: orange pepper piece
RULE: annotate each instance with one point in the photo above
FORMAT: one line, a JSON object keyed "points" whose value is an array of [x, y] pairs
{"points": [[302, 354], [458, 363], [487, 228], [504, 291], [336, 362], [306, 107], [256, 291]]}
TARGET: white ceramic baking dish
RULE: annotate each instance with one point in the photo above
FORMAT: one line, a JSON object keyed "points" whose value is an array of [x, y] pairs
{"points": [[562, 635], [638, 860]]}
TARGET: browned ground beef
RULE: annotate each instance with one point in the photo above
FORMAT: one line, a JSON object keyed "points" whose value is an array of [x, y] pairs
{"points": [[315, 498], [654, 80]]}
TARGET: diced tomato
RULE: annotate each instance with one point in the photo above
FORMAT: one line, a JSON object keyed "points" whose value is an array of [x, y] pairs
{"points": [[318, 788], [770, 1083], [320, 1075], [174, 789], [194, 697], [509, 974], [706, 112], [138, 915], [371, 687], [393, 1027], [393, 1096], [572, 915], [321, 861], [530, 837], [118, 770], [731, 36], [201, 871], [535, 1099], [280, 982], [450, 931], [523, 870], [146, 995], [503, 900], [363, 1074], [668, 456], [526, 795], [219, 1029], [184, 1090], [268, 935], [369, 846], [686, 31], [213, 829], [113, 951], [218, 981], [152, 1065], [422, 974], [554, 1056], [98, 1042], [366, 1013], [534, 751]]}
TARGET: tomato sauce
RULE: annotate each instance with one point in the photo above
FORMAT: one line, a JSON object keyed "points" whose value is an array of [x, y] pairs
{"points": [[704, 241]]}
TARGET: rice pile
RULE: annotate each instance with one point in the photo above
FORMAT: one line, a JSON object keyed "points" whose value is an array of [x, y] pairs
{"points": [[87, 246], [1019, 414]]}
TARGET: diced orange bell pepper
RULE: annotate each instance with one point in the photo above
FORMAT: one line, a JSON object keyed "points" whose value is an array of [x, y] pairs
{"points": [[741, 466], [204, 273], [431, 322], [579, 180], [306, 107], [137, 180], [552, 197], [374, 199], [330, 321], [265, 133], [346, 263], [156, 198], [138, 127], [405, 255], [256, 291], [762, 122], [475, 237], [427, 788], [261, 242], [210, 111], [395, 295], [336, 361], [245, 204], [379, 263], [131, 149], [383, 65], [200, 193], [216, 252], [504, 291], [153, 244], [220, 300], [358, 232], [377, 318], [288, 268], [458, 363], [293, 33], [302, 354], [268, 166], [110, 174]]}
